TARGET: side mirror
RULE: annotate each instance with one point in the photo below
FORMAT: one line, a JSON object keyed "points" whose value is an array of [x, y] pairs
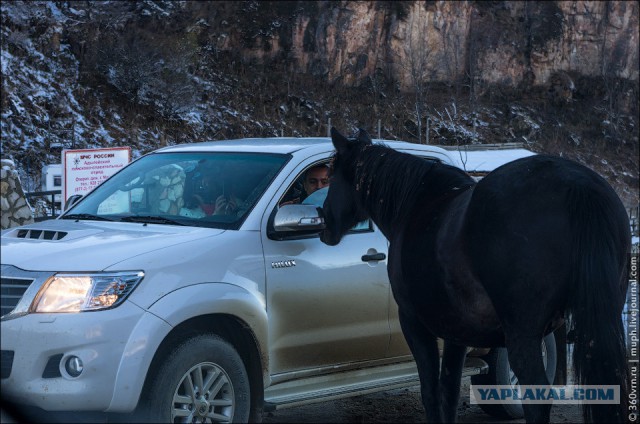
{"points": [[298, 218], [72, 200]]}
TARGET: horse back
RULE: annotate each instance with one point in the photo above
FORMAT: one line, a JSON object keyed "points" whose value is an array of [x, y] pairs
{"points": [[523, 222], [538, 192]]}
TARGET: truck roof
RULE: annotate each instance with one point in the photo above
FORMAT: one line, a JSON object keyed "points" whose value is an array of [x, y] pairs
{"points": [[287, 145]]}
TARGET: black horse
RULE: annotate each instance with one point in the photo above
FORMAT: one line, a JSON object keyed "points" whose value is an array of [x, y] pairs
{"points": [[494, 263]]}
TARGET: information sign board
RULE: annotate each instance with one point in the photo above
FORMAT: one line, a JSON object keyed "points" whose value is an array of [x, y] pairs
{"points": [[85, 169]]}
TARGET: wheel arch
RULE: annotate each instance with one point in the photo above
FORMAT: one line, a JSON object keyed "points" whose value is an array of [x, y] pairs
{"points": [[231, 329], [235, 313]]}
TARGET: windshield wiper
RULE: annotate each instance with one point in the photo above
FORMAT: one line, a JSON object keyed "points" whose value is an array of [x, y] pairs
{"points": [[150, 219], [87, 216]]}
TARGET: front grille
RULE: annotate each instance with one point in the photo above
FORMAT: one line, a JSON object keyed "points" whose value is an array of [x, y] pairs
{"points": [[11, 291], [6, 363]]}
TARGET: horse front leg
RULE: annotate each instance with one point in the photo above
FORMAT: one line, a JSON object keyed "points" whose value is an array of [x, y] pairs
{"points": [[424, 347], [450, 377]]}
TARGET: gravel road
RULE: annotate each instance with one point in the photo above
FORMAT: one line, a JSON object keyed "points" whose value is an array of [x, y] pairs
{"points": [[402, 405]]}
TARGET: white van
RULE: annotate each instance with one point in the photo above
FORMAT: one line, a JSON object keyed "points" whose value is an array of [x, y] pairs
{"points": [[52, 179]]}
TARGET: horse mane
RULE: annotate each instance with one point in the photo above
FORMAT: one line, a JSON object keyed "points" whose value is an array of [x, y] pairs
{"points": [[390, 182]]}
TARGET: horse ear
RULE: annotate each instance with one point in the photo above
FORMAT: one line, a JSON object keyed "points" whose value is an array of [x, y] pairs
{"points": [[340, 142], [363, 136]]}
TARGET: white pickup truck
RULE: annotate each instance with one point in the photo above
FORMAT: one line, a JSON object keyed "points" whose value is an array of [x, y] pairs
{"points": [[145, 297]]}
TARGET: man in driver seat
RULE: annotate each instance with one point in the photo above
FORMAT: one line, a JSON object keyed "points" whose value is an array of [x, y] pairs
{"points": [[315, 178]]}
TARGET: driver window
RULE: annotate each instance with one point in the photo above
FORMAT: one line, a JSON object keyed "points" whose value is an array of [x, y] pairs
{"points": [[311, 188], [312, 179]]}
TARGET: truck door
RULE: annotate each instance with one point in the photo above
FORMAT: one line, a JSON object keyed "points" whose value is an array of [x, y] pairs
{"points": [[327, 305]]}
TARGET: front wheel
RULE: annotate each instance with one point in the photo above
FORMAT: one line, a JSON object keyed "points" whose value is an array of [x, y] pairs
{"points": [[500, 373], [203, 380]]}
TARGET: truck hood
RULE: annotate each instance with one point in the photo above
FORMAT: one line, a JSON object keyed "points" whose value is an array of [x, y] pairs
{"points": [[68, 245]]}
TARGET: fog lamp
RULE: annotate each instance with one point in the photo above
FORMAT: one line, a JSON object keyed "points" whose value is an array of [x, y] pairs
{"points": [[73, 365]]}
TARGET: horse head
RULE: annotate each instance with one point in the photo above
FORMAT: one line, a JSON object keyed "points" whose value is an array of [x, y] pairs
{"points": [[342, 209]]}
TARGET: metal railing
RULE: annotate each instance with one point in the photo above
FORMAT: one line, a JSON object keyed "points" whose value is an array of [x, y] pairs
{"points": [[44, 204], [633, 220]]}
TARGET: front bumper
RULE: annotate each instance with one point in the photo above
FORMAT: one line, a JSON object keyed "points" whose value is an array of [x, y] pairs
{"points": [[115, 346]]}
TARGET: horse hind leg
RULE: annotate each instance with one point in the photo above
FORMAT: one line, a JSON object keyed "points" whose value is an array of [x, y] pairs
{"points": [[450, 377], [424, 347], [525, 359]]}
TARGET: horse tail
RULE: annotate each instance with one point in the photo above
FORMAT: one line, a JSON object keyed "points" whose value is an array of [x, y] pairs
{"points": [[600, 258]]}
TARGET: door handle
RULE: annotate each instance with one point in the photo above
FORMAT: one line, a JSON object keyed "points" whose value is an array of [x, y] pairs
{"points": [[374, 257]]}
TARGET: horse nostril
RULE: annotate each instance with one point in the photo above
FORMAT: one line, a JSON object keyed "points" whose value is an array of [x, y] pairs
{"points": [[323, 238], [328, 239]]}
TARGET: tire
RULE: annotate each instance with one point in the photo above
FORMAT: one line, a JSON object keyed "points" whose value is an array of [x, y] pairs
{"points": [[500, 373], [174, 395]]}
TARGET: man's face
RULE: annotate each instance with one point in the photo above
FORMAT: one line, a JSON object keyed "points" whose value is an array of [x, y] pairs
{"points": [[315, 179]]}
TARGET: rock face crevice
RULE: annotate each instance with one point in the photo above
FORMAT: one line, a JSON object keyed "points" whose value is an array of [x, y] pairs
{"points": [[13, 203]]}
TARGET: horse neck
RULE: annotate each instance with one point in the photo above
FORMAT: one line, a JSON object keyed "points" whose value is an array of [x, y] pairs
{"points": [[389, 183]]}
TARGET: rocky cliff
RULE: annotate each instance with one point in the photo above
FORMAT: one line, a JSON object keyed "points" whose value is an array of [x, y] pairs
{"points": [[560, 76], [512, 43]]}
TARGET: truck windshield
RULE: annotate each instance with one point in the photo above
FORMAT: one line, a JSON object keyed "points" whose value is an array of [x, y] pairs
{"points": [[198, 189]]}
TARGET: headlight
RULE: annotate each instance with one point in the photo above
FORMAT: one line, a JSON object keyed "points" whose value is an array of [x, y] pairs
{"points": [[85, 292]]}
